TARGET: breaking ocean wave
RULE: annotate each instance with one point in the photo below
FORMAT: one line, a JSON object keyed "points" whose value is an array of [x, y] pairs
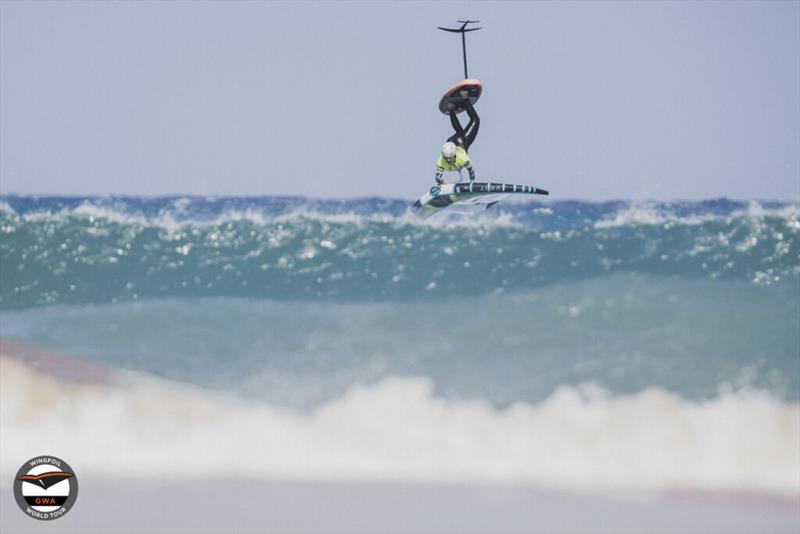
{"points": [[617, 345]]}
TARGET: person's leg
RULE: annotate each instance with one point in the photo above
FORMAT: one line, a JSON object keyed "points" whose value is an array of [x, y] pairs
{"points": [[456, 123], [471, 132], [458, 137], [474, 123]]}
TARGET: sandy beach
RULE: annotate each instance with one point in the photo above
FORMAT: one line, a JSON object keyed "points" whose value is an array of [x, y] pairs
{"points": [[209, 506]]}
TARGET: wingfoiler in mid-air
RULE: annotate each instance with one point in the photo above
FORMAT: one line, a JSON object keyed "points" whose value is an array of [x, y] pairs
{"points": [[455, 158]]}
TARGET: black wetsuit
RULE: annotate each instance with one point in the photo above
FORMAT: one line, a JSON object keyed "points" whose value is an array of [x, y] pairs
{"points": [[464, 136]]}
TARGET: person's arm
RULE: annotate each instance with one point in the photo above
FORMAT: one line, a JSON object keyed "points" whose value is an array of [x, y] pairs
{"points": [[464, 162], [470, 170], [439, 171]]}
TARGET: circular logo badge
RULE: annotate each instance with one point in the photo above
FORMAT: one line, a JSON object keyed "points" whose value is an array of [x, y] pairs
{"points": [[45, 487], [435, 190]]}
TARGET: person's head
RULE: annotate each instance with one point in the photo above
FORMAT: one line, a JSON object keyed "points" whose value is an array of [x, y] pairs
{"points": [[449, 152]]}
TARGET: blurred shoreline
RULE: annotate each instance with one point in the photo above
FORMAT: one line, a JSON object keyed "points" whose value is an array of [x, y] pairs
{"points": [[237, 505], [204, 504]]}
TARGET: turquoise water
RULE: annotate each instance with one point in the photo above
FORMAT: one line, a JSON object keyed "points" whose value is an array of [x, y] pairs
{"points": [[294, 300]]}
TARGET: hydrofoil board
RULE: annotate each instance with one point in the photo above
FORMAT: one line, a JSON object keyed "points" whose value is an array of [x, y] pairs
{"points": [[440, 197], [472, 86]]}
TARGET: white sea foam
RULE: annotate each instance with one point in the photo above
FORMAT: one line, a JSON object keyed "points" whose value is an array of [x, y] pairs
{"points": [[397, 430], [177, 215], [5, 207], [91, 211], [300, 216], [407, 218], [648, 213], [174, 216]]}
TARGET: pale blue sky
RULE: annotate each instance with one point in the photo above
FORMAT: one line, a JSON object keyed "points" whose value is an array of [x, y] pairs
{"points": [[592, 100]]}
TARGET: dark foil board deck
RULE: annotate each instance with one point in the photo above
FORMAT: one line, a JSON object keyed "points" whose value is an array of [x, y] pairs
{"points": [[474, 88]]}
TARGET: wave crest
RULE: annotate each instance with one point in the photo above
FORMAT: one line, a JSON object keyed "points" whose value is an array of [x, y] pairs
{"points": [[578, 438]]}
